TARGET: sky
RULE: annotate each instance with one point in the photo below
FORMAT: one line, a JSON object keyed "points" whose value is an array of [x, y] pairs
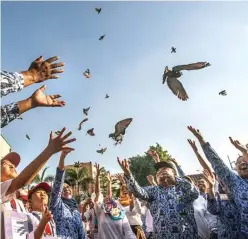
{"points": [[128, 65]]}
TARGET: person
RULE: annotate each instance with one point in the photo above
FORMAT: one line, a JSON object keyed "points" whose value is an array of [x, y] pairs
{"points": [[237, 186], [22, 195], [112, 221], [38, 71], [63, 206], [171, 202], [38, 201]]}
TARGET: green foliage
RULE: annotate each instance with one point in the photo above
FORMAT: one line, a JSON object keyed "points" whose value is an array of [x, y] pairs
{"points": [[42, 178], [143, 165]]}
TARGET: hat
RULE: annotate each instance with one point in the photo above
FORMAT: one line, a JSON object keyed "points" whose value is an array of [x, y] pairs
{"points": [[42, 185], [13, 157], [164, 164]]}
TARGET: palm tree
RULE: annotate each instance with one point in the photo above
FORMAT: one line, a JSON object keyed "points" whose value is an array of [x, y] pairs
{"points": [[41, 177], [78, 177]]}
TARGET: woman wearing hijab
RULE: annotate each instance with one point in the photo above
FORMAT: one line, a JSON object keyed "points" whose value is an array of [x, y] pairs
{"points": [[64, 207], [112, 221]]}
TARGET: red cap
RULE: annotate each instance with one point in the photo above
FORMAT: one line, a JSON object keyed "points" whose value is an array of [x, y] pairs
{"points": [[13, 157], [42, 185]]}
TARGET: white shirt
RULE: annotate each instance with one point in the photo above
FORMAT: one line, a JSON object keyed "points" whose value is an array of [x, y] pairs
{"points": [[134, 216], [149, 221], [205, 221]]}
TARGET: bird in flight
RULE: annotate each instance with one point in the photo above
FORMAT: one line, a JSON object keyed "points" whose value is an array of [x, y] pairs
{"points": [[170, 76], [120, 129], [101, 37], [27, 136], [98, 10], [20, 118], [87, 73], [80, 125], [91, 132], [223, 92], [173, 50], [101, 151], [86, 111], [107, 96]]}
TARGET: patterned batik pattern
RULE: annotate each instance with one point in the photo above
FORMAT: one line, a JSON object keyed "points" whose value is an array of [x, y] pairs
{"points": [[68, 223], [227, 217], [171, 208], [237, 186]]}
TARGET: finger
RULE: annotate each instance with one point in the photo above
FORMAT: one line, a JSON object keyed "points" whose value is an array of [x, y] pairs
{"points": [[67, 148], [54, 77], [52, 59], [55, 96], [51, 135], [66, 135], [69, 141], [55, 65], [58, 103], [42, 88], [61, 132], [40, 58], [54, 71]]}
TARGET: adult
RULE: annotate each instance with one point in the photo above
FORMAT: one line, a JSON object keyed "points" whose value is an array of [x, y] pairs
{"points": [[64, 207], [38, 71], [171, 202]]}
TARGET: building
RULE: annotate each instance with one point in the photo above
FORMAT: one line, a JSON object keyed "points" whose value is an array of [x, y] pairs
{"points": [[5, 147], [196, 177]]}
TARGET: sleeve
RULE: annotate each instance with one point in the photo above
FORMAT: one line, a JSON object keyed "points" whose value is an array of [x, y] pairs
{"points": [[57, 188], [228, 177], [9, 113], [137, 207], [145, 193], [190, 193], [128, 233], [4, 188], [11, 82], [213, 205]]}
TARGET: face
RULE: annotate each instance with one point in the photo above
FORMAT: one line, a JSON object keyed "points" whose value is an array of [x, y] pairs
{"points": [[242, 167], [38, 198], [91, 204], [166, 177], [202, 185], [67, 192], [8, 170]]}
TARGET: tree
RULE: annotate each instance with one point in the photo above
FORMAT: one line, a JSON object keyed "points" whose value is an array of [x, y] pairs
{"points": [[143, 165], [41, 177], [78, 177]]}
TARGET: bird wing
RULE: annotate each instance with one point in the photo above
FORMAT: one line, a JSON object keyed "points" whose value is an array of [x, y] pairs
{"points": [[27, 137], [177, 88], [91, 132], [99, 151], [104, 150], [193, 66], [121, 126]]}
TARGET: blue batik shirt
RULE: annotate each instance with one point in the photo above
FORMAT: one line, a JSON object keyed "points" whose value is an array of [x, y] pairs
{"points": [[237, 186], [68, 223], [171, 208], [10, 83], [228, 217]]}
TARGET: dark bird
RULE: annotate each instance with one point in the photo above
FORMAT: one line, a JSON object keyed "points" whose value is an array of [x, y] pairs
{"points": [[57, 132], [174, 84], [80, 125], [107, 96], [91, 132], [27, 136], [223, 92], [120, 129], [20, 118], [86, 111], [98, 10], [173, 50], [101, 37], [87, 73], [101, 151]]}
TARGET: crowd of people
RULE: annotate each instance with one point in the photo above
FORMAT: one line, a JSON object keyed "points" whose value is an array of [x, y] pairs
{"points": [[172, 207]]}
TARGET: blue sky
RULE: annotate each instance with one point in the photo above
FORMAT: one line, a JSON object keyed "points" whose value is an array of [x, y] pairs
{"points": [[128, 65]]}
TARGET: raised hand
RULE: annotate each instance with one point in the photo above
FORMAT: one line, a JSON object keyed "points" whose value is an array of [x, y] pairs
{"points": [[98, 170], [41, 70], [239, 146], [47, 215], [120, 178], [173, 160], [150, 179], [192, 144], [58, 143], [154, 155], [196, 133], [108, 177], [209, 178], [125, 166], [39, 99]]}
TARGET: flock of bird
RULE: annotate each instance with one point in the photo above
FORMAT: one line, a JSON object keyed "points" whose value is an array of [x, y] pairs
{"points": [[169, 76]]}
